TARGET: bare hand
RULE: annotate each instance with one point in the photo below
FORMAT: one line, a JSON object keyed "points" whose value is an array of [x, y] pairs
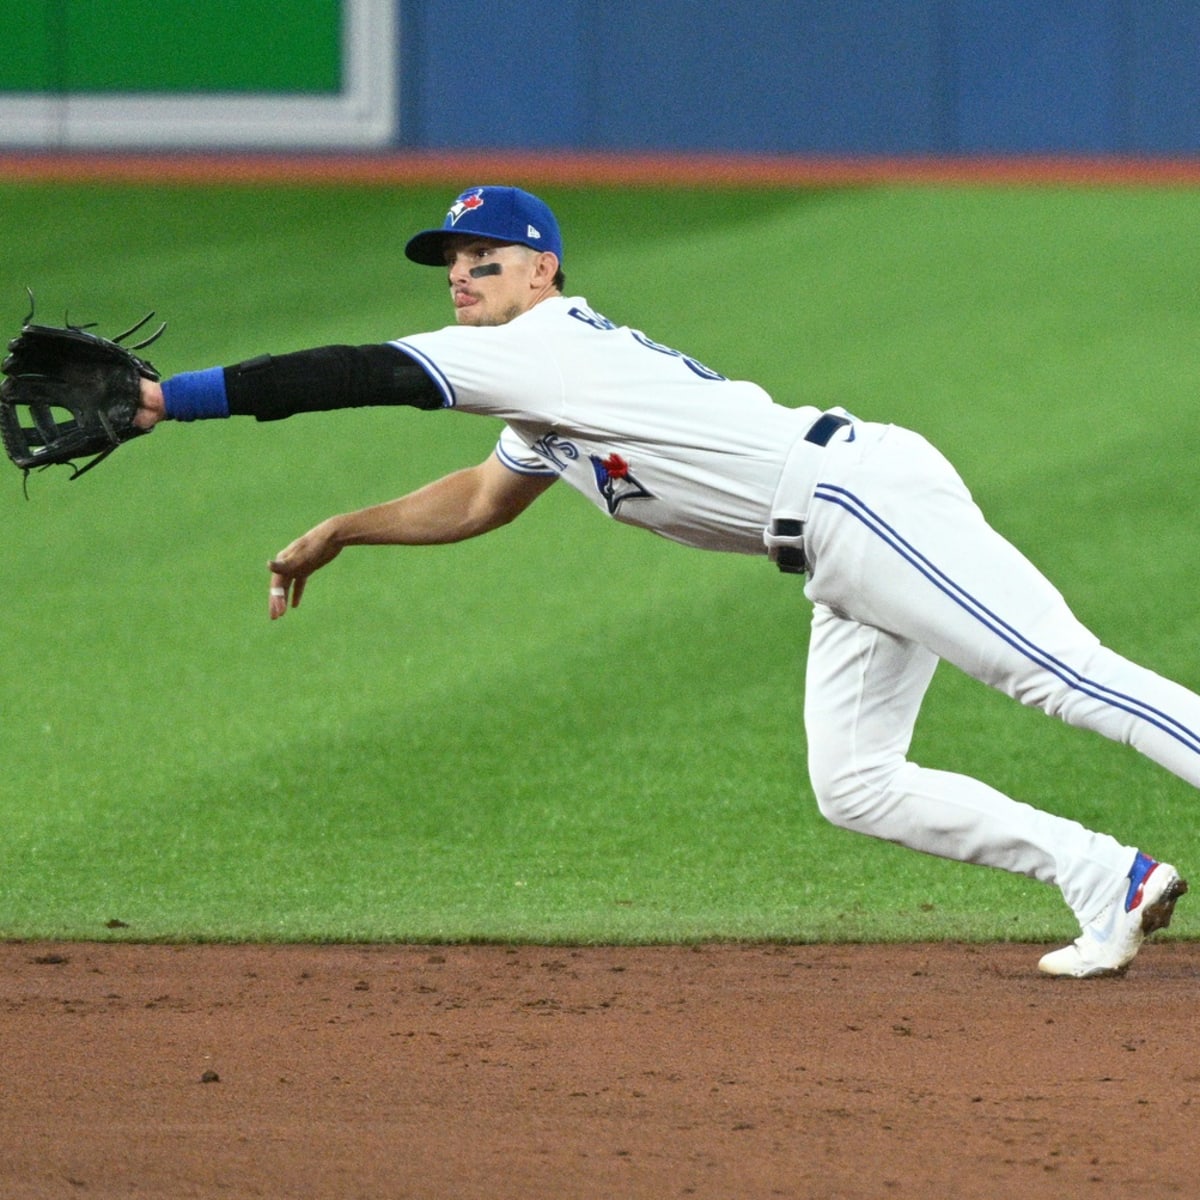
{"points": [[152, 408], [292, 566]]}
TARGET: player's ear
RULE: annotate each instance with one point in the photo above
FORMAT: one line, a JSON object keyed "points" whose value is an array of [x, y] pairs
{"points": [[544, 269]]}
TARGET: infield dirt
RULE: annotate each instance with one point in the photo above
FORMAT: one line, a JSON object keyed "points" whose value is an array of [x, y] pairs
{"points": [[525, 1072]]}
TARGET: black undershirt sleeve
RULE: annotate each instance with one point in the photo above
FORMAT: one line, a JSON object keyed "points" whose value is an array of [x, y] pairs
{"points": [[276, 386]]}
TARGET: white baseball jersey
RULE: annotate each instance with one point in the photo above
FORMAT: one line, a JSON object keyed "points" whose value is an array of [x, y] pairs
{"points": [[652, 437], [903, 570]]}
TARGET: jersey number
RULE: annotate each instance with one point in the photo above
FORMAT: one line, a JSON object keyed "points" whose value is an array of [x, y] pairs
{"points": [[603, 323]]}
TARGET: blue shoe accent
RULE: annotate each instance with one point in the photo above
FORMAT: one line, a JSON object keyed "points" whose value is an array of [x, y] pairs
{"points": [[1141, 870]]}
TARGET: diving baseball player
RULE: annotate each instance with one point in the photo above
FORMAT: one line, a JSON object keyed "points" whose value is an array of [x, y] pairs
{"points": [[900, 565]]}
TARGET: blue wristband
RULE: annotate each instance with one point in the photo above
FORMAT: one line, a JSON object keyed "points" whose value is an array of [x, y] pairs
{"points": [[196, 395]]}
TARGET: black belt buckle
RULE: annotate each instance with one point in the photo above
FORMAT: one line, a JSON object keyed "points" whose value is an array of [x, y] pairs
{"points": [[790, 559], [824, 427]]}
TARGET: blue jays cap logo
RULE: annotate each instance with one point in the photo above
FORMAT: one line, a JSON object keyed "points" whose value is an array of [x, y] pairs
{"points": [[467, 202], [512, 216]]}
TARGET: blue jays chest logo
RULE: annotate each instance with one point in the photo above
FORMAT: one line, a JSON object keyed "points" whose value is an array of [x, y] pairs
{"points": [[616, 482]]}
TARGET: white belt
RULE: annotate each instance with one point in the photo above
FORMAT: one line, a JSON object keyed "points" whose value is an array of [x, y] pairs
{"points": [[784, 536]]}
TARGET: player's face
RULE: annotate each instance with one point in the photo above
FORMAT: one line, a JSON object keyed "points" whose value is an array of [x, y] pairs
{"points": [[492, 282]]}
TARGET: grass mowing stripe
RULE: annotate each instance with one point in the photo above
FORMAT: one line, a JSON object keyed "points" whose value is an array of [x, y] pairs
{"points": [[566, 731]]}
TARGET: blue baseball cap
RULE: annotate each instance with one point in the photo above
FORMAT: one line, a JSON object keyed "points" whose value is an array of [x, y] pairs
{"points": [[506, 214]]}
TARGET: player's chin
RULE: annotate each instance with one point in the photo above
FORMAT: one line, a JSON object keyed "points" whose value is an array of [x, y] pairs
{"points": [[482, 315]]}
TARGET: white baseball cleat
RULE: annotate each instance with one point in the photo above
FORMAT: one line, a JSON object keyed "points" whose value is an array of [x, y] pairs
{"points": [[1109, 944]]}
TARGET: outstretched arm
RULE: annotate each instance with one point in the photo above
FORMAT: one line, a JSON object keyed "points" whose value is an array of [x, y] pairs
{"points": [[272, 387], [461, 505]]}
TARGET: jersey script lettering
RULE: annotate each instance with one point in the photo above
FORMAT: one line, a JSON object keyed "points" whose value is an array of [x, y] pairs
{"points": [[605, 325]]}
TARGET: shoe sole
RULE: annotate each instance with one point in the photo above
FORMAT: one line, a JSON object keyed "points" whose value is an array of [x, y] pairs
{"points": [[1158, 914], [1155, 916]]}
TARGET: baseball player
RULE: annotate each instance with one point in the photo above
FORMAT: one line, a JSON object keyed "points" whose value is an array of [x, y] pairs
{"points": [[900, 565]]}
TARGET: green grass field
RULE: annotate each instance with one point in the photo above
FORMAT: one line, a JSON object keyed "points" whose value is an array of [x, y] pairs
{"points": [[567, 731]]}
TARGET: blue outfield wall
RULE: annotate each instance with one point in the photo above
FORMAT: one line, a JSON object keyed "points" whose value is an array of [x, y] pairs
{"points": [[810, 77]]}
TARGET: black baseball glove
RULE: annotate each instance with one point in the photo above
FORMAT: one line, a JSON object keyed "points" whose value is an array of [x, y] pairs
{"points": [[69, 394]]}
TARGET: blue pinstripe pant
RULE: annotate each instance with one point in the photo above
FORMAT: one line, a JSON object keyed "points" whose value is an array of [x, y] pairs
{"points": [[904, 572]]}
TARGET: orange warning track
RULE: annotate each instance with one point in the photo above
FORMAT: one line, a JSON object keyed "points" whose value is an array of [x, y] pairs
{"points": [[575, 169]]}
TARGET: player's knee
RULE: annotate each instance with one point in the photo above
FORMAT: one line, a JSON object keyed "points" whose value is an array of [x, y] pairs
{"points": [[852, 793]]}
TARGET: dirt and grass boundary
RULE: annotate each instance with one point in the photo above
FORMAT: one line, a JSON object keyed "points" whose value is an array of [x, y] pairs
{"points": [[591, 169]]}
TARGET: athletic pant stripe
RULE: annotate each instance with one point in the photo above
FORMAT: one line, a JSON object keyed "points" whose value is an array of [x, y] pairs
{"points": [[1072, 678]]}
